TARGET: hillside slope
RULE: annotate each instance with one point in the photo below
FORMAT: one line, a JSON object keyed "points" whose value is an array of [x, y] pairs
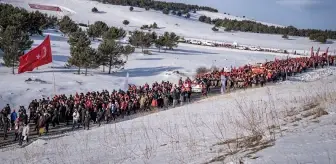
{"points": [[189, 28], [193, 133], [141, 68]]}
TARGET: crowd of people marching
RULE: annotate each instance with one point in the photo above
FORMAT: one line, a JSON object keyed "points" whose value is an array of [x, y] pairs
{"points": [[84, 108]]}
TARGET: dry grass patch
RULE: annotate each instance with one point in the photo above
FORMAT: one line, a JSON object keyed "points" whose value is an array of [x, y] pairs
{"points": [[310, 106], [319, 112], [316, 112], [248, 145], [295, 119], [292, 112]]}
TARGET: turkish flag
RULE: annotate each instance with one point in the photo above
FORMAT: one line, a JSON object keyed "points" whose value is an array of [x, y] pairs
{"points": [[38, 56]]}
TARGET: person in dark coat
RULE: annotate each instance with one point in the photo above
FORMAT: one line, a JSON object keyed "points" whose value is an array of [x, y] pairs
{"points": [[54, 117], [7, 110], [100, 115], [262, 80], [82, 114], [165, 101], [5, 123], [20, 130], [87, 119], [181, 97], [129, 107], [175, 98]]}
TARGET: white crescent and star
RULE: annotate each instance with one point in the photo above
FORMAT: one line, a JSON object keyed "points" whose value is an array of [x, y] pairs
{"points": [[44, 52], [38, 56]]}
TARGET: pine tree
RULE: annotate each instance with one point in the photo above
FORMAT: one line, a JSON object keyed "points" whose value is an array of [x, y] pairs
{"points": [[14, 42], [131, 8], [128, 50], [78, 41], [126, 22], [170, 40], [97, 29], [179, 13], [114, 33], [67, 26], [165, 11], [285, 36], [154, 25], [160, 42], [153, 36], [36, 21], [214, 29], [92, 32], [89, 59], [94, 10], [136, 38], [147, 40], [111, 52]]}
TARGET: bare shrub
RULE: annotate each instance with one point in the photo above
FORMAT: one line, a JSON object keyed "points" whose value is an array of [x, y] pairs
{"points": [[201, 70], [320, 112], [310, 105], [292, 112], [295, 119], [147, 52], [308, 114]]}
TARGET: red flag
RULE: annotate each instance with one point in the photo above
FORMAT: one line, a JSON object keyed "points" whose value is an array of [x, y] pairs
{"points": [[312, 52], [38, 56], [318, 51]]}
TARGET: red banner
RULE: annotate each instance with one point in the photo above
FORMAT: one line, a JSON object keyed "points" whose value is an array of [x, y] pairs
{"points": [[38, 56], [45, 7]]}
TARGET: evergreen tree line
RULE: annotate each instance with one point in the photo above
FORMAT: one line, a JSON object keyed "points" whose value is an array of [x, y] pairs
{"points": [[30, 22], [145, 40], [16, 25], [158, 5], [255, 27], [110, 53], [148, 27]]}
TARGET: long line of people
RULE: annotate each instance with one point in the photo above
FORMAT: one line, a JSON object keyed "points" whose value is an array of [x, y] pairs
{"points": [[105, 106]]}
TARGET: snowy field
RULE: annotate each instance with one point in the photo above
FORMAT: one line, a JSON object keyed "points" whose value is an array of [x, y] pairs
{"points": [[193, 133], [141, 68], [196, 133], [189, 28]]}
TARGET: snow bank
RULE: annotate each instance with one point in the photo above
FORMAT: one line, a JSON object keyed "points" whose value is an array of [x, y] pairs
{"points": [[315, 75]]}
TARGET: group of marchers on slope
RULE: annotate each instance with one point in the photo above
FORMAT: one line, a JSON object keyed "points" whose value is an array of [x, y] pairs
{"points": [[83, 108]]}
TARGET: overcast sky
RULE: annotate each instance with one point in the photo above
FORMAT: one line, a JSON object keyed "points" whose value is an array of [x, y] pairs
{"points": [[319, 14]]}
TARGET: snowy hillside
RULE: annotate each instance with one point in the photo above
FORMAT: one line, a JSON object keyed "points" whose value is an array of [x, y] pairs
{"points": [[189, 28], [195, 133], [141, 68], [219, 15]]}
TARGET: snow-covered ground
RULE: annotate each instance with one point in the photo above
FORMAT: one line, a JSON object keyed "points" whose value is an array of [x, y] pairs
{"points": [[189, 28], [193, 133], [141, 68], [188, 134]]}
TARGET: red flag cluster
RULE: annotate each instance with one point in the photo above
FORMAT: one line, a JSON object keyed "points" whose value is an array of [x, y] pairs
{"points": [[38, 56]]}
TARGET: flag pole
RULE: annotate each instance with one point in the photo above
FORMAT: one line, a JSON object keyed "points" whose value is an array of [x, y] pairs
{"points": [[54, 81], [53, 72]]}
